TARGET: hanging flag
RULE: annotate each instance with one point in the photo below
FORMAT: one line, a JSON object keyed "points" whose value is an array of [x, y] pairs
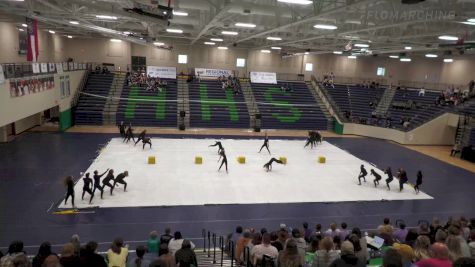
{"points": [[32, 30]]}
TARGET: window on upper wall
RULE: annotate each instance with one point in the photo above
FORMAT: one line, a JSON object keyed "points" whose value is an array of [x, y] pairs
{"points": [[182, 59], [308, 67], [381, 71], [240, 62]]}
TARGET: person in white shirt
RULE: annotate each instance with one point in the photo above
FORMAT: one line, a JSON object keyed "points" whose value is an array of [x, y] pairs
{"points": [[422, 92], [175, 243], [265, 248]]}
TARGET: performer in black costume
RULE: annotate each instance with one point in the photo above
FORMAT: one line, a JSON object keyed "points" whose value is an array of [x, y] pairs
{"points": [[418, 182], [121, 127], [310, 140], [363, 174], [120, 180], [390, 176], [402, 176], [141, 136], [377, 177], [70, 190], [222, 154], [107, 182], [146, 140], [129, 134], [220, 146], [266, 144], [268, 165], [87, 187], [97, 182]]}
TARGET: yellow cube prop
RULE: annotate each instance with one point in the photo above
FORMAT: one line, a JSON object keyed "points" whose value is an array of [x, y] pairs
{"points": [[151, 160], [241, 160], [322, 159], [198, 160], [283, 159]]}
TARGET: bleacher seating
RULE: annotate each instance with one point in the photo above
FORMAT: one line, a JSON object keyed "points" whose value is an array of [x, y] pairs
{"points": [[424, 110], [155, 109], [296, 109], [355, 99], [89, 108], [224, 111], [472, 137]]}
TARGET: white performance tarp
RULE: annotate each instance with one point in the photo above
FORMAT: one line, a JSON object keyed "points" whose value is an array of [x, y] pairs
{"points": [[212, 72], [161, 72], [263, 77]]}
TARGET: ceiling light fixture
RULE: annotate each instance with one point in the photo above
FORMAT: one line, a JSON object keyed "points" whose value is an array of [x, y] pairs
{"points": [[337, 52], [74, 22], [210, 43], [21, 30], [274, 38], [24, 25], [325, 27], [431, 55], [448, 38], [216, 39], [297, 2], [448, 60], [265, 51], [158, 43], [222, 48], [276, 48], [405, 59], [175, 30], [393, 56], [116, 40], [229, 33], [106, 17], [126, 33], [180, 13], [70, 37], [361, 45], [352, 57], [50, 31], [408, 47], [245, 25]]}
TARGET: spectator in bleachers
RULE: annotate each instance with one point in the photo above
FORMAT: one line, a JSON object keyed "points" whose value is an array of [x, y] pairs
{"points": [[392, 258], [299, 241], [348, 257], [165, 258], [166, 237], [464, 228], [52, 261], [105, 70], [326, 254], [358, 250], [464, 262], [343, 231], [256, 240], [455, 249], [142, 259], [76, 243], [314, 243], [43, 252], [117, 254], [364, 246], [455, 233], [471, 245], [401, 233], [186, 257], [290, 257], [14, 250], [307, 232], [176, 243], [265, 248], [440, 236], [68, 257], [422, 92], [97, 69], [241, 244], [275, 242], [153, 242], [386, 226], [421, 248], [406, 253], [434, 227], [439, 257], [92, 259], [236, 235], [332, 231]]}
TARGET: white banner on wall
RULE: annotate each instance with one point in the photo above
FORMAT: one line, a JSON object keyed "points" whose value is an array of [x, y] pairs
{"points": [[263, 77], [2, 76], [212, 72], [36, 67], [161, 72], [44, 67], [59, 68]]}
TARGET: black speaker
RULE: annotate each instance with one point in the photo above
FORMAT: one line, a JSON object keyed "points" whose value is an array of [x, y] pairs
{"points": [[181, 127], [182, 113], [257, 129], [258, 116]]}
